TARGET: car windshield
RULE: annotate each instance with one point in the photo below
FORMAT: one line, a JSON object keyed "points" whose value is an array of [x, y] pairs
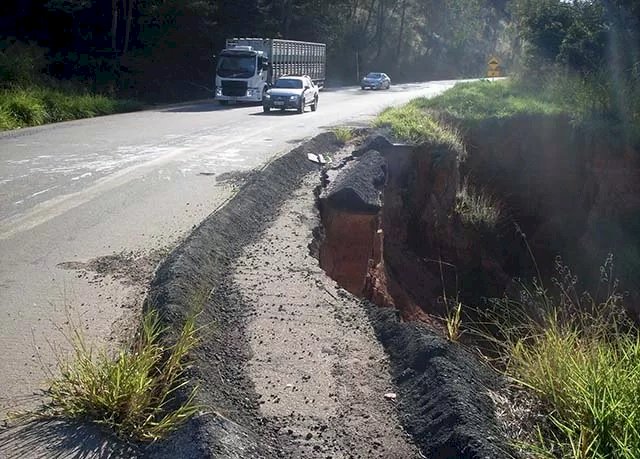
{"points": [[374, 76], [288, 83], [237, 66]]}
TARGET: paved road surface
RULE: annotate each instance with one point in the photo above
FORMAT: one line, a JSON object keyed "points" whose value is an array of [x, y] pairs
{"points": [[76, 191]]}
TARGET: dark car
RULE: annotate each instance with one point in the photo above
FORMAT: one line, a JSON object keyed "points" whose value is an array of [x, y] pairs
{"points": [[376, 80], [292, 92]]}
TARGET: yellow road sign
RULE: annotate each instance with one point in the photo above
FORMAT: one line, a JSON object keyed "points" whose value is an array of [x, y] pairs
{"points": [[493, 62], [491, 73]]}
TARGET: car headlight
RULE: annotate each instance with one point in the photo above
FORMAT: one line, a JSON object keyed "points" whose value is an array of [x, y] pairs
{"points": [[218, 91], [293, 97]]}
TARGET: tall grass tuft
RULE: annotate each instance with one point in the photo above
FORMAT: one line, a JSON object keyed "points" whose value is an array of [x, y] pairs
{"points": [[134, 392], [343, 134], [580, 356], [477, 208]]}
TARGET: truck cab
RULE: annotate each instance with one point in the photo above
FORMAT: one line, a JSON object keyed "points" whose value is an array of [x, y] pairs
{"points": [[242, 74], [248, 67]]}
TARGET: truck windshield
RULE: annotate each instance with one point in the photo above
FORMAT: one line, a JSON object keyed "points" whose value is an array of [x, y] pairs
{"points": [[288, 83], [237, 66]]}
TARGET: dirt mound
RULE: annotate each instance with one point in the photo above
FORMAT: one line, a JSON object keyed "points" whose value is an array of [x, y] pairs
{"points": [[444, 391]]}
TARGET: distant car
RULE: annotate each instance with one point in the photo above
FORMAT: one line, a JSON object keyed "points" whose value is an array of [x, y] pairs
{"points": [[376, 80], [292, 92]]}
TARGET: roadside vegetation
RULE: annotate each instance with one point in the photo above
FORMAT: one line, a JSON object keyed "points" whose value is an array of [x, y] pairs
{"points": [[28, 97], [343, 134], [37, 105], [138, 393], [579, 356], [476, 207], [410, 123]]}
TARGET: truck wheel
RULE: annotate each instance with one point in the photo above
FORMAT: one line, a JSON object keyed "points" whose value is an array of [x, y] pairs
{"points": [[314, 105], [266, 109]]}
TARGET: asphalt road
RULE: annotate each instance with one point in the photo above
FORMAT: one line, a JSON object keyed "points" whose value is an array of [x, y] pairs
{"points": [[138, 182]]}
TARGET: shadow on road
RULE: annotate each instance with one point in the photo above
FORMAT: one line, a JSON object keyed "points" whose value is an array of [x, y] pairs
{"points": [[205, 107], [60, 439]]}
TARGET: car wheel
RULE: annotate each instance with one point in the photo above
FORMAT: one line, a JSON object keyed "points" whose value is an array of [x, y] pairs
{"points": [[223, 102], [362, 87], [301, 106], [314, 105], [266, 108]]}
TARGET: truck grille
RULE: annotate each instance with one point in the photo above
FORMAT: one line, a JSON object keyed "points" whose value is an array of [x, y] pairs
{"points": [[234, 88]]}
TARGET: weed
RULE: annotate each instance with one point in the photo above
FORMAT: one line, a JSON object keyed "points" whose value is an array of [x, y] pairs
{"points": [[343, 134], [135, 392], [580, 356], [453, 321], [477, 208]]}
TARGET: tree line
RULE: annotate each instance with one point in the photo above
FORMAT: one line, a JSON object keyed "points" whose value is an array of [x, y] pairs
{"points": [[154, 49], [150, 48]]}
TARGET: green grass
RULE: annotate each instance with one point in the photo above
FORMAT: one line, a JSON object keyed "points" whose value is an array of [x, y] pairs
{"points": [[477, 208], [38, 105], [488, 99], [580, 357], [343, 134], [134, 393], [411, 123]]}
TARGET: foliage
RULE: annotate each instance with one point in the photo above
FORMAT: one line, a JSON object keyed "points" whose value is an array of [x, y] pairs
{"points": [[135, 392], [20, 62], [580, 356], [453, 322], [343, 134], [588, 50], [489, 99], [39, 105], [410, 123], [477, 208], [161, 49]]}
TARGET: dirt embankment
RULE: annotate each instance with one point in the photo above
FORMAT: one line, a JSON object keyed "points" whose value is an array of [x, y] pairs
{"points": [[574, 193], [559, 190]]}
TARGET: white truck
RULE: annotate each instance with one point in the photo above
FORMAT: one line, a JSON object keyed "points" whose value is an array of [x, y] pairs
{"points": [[247, 67]]}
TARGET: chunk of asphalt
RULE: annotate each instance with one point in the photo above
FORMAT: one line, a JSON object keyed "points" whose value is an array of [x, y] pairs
{"points": [[376, 142], [358, 187]]}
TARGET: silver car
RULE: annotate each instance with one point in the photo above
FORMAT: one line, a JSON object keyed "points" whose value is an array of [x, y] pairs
{"points": [[376, 80], [291, 92]]}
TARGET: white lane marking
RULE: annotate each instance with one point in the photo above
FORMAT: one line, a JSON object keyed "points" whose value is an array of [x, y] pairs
{"points": [[42, 192], [86, 174]]}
